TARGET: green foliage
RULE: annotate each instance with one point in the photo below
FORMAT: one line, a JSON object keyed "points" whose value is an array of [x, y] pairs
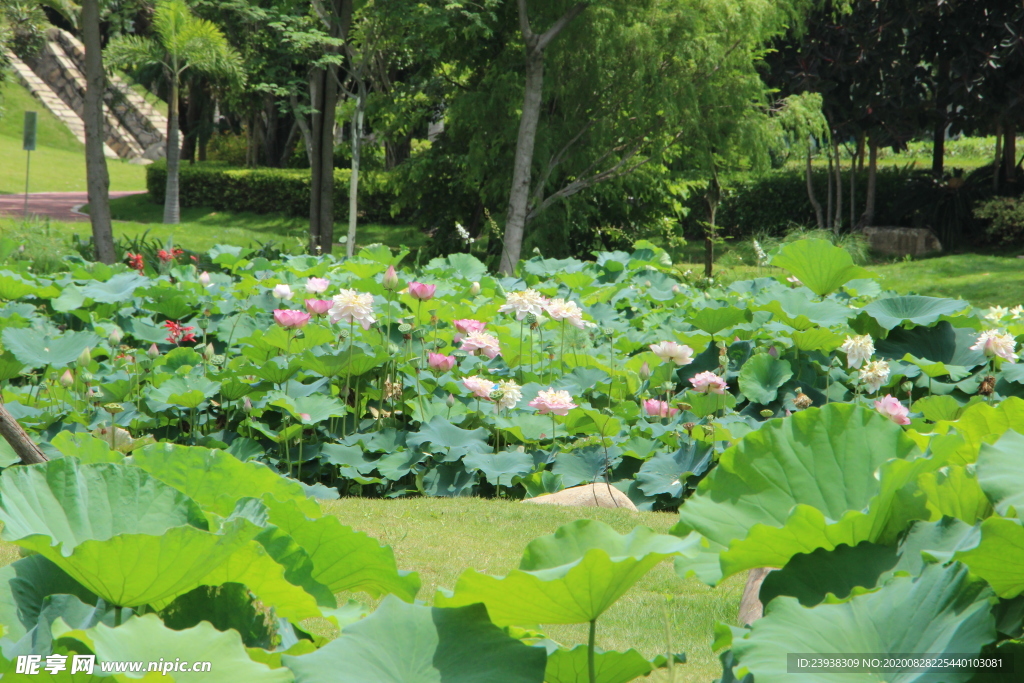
{"points": [[1004, 218], [268, 190]]}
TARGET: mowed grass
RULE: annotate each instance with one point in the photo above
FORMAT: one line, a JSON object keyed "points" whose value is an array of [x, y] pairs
{"points": [[58, 164], [441, 537]]}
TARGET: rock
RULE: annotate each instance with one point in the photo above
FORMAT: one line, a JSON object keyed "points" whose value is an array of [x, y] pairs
{"points": [[902, 241], [751, 608], [587, 495]]}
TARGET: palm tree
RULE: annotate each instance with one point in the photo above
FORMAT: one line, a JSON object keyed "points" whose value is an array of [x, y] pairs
{"points": [[181, 42]]}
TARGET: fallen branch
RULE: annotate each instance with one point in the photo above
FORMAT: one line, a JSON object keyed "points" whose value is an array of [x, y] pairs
{"points": [[23, 446]]}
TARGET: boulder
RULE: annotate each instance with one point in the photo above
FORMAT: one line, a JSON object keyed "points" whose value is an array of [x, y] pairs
{"points": [[902, 241], [751, 608], [587, 495]]}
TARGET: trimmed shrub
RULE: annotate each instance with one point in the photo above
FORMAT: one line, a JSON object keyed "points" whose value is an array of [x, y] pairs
{"points": [[268, 190], [1004, 217]]}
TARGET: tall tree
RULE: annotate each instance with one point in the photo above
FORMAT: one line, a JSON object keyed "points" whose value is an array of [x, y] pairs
{"points": [[97, 178], [181, 42]]}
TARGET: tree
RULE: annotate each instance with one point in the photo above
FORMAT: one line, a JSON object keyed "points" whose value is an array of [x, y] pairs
{"points": [[181, 42], [97, 179]]}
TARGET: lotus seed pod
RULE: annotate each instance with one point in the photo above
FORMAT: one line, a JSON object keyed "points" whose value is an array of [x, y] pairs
{"points": [[689, 426], [767, 413], [685, 406], [530, 319], [907, 387], [115, 337], [802, 401], [474, 289], [67, 379], [203, 323], [113, 408], [153, 351], [85, 357], [405, 328], [343, 333]]}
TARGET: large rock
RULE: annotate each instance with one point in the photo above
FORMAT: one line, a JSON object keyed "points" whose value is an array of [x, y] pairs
{"points": [[588, 495], [902, 241], [751, 608]]}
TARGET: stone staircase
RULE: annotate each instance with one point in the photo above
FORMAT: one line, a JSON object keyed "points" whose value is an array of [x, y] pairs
{"points": [[133, 129]]}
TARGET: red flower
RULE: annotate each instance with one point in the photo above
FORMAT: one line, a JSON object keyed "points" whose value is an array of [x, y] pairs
{"points": [[136, 261], [164, 256], [178, 334]]}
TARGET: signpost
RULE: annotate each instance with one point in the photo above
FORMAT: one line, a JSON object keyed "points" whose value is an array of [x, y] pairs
{"points": [[28, 143]]}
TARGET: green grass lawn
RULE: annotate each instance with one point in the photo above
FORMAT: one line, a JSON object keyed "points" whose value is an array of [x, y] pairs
{"points": [[58, 164], [441, 537]]}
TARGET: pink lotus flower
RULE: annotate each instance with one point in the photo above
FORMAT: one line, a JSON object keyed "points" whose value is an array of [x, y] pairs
{"points": [[551, 401], [467, 326], [709, 383], [480, 386], [67, 379], [318, 306], [439, 361], [656, 408], [994, 343], [153, 351], [893, 409], [569, 311], [390, 280], [479, 341], [317, 285], [304, 417], [289, 319], [418, 290]]}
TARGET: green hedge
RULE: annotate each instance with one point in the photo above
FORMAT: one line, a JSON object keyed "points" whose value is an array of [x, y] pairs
{"points": [[268, 190], [775, 201]]}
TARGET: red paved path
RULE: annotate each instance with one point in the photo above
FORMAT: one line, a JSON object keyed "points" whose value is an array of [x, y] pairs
{"points": [[56, 205]]}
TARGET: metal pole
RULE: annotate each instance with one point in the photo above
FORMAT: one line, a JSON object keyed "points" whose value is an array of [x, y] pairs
{"points": [[28, 163]]}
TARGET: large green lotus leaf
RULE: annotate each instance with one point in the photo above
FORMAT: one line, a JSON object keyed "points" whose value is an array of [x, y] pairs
{"points": [[817, 339], [919, 310], [500, 468], [942, 343], [821, 266], [402, 643], [955, 491], [24, 586], [936, 408], [667, 472], [216, 479], [133, 569], [795, 308], [999, 557], [810, 577], [85, 447], [14, 287], [571, 666], [465, 266], [146, 638], [944, 610], [1001, 473], [187, 392], [343, 559], [762, 376], [229, 606], [316, 407], [822, 477], [116, 290], [446, 437], [570, 577], [715, 319], [980, 423], [70, 503], [933, 370], [37, 349], [10, 366]]}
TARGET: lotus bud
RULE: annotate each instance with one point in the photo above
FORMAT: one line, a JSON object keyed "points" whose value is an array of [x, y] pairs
{"points": [[153, 351], [87, 377], [84, 358], [204, 279], [474, 289], [208, 352], [767, 413], [645, 371], [390, 279], [907, 387], [773, 352], [450, 401], [67, 379], [115, 337], [304, 417], [247, 405]]}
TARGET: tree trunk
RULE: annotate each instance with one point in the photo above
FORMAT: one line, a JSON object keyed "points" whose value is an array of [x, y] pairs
{"points": [[353, 184], [860, 151], [515, 223], [10, 430], [941, 120], [522, 165], [307, 136], [810, 192], [97, 179], [838, 223], [270, 151], [1010, 153], [853, 191], [172, 210], [751, 608], [829, 215], [711, 199], [868, 218], [193, 112], [324, 98], [997, 164]]}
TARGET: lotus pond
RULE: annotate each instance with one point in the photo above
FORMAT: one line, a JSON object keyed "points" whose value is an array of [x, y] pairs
{"points": [[195, 407]]}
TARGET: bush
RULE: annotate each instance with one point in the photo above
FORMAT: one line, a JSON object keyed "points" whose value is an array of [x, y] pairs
{"points": [[268, 190], [1005, 220], [228, 148]]}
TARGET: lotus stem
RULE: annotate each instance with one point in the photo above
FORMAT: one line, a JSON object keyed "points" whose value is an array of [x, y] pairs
{"points": [[591, 668]]}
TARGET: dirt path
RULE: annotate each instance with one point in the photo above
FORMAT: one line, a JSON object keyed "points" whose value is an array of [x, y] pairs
{"points": [[60, 206]]}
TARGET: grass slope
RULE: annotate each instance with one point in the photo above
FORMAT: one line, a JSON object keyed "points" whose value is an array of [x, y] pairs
{"points": [[58, 164]]}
